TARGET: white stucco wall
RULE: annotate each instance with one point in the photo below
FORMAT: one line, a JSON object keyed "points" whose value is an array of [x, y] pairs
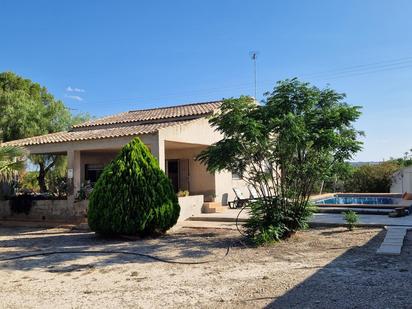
{"points": [[402, 181], [197, 131], [190, 206]]}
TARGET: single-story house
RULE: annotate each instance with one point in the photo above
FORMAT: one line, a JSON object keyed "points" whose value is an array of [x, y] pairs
{"points": [[175, 135]]}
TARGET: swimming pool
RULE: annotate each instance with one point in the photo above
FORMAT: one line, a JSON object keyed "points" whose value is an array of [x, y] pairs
{"points": [[358, 200]]}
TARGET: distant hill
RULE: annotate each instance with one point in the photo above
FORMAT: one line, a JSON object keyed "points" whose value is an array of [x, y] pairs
{"points": [[360, 163]]}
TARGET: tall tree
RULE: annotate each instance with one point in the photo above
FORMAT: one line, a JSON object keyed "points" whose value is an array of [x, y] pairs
{"points": [[299, 136], [28, 109]]}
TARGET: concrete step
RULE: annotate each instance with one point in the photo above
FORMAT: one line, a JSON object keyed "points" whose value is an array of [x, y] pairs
{"points": [[216, 219], [212, 207], [209, 225]]}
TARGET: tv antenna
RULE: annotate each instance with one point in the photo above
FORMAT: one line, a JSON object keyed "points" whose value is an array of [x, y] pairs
{"points": [[253, 55]]}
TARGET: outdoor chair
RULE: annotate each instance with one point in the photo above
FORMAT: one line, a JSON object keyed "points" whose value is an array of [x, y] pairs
{"points": [[240, 200], [253, 193]]}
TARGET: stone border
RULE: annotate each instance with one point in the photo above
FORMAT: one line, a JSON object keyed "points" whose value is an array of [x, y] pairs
{"points": [[393, 242]]}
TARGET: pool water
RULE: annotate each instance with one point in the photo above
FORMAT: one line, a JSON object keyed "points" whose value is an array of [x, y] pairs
{"points": [[358, 200]]}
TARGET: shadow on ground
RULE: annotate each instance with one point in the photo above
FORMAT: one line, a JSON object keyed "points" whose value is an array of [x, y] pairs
{"points": [[351, 281], [181, 247]]}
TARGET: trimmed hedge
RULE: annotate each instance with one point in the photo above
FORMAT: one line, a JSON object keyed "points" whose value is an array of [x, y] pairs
{"points": [[133, 196]]}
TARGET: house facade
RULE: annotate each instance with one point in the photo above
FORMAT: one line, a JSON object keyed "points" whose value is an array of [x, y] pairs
{"points": [[175, 135]]}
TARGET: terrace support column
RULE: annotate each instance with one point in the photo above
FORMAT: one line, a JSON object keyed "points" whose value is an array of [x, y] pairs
{"points": [[73, 174], [158, 150]]}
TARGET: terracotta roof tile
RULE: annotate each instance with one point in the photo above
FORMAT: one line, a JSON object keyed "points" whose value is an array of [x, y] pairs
{"points": [[145, 115], [94, 134]]}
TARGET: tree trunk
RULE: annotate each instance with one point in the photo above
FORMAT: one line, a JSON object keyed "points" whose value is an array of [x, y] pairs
{"points": [[42, 178], [43, 170]]}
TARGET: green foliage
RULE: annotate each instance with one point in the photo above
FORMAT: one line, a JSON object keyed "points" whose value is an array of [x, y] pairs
{"points": [[404, 161], [28, 181], [335, 183], [300, 135], [84, 192], [281, 221], [372, 178], [11, 161], [55, 181], [28, 109], [351, 219], [51, 171], [133, 196]]}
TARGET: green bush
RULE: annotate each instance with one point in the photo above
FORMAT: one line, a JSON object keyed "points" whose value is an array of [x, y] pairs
{"points": [[351, 219], [133, 196], [372, 178], [273, 219]]}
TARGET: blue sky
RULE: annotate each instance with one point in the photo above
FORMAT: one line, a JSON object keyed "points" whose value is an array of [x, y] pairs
{"points": [[105, 57]]}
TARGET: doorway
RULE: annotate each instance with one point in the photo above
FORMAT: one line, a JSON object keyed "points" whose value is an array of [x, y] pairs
{"points": [[173, 173]]}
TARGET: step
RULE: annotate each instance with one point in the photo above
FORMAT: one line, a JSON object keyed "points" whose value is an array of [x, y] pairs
{"points": [[212, 207], [216, 219], [210, 224]]}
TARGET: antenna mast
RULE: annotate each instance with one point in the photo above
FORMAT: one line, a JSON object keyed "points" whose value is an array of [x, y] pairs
{"points": [[253, 56]]}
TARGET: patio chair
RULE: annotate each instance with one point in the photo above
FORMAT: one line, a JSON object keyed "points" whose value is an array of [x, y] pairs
{"points": [[240, 200], [253, 193]]}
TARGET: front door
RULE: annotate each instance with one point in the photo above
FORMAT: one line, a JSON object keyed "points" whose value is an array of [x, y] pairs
{"points": [[173, 173]]}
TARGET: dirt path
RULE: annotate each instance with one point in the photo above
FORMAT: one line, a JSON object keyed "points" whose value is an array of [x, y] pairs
{"points": [[319, 268]]}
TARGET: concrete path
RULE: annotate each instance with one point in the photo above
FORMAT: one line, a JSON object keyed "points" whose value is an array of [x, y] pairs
{"points": [[393, 242]]}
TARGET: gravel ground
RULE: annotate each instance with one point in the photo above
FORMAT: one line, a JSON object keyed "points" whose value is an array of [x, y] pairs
{"points": [[318, 268]]}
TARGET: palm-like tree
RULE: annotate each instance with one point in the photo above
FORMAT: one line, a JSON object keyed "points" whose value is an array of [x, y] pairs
{"points": [[11, 161]]}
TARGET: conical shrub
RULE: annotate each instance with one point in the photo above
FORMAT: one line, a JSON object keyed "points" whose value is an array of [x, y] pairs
{"points": [[133, 196]]}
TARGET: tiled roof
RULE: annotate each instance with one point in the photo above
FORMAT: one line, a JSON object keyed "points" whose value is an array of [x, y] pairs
{"points": [[155, 114], [125, 124], [94, 134]]}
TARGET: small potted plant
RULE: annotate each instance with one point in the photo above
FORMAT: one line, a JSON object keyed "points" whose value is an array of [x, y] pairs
{"points": [[182, 193]]}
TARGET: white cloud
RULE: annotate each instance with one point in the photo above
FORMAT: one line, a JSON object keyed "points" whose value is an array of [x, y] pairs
{"points": [[74, 89], [74, 97]]}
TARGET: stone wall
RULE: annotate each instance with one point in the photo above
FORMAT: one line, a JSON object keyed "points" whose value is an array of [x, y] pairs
{"points": [[46, 210], [64, 211]]}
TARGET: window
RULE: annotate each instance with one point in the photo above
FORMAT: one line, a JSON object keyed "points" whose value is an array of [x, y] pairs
{"points": [[92, 172]]}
